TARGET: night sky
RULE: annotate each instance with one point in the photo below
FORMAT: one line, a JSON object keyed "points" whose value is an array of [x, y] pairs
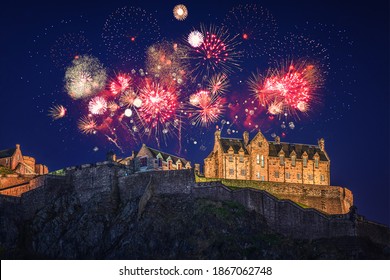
{"points": [[349, 42]]}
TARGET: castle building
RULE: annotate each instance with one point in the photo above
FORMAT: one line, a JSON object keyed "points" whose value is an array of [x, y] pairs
{"points": [[14, 160], [263, 160], [151, 159]]}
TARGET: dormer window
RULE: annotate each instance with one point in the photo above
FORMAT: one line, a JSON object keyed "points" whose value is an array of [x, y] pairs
{"points": [[293, 160], [241, 158], [281, 158], [304, 161], [230, 158], [316, 160], [179, 166]]}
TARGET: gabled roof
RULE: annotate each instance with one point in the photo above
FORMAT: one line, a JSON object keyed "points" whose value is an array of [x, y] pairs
{"points": [[165, 156], [288, 148], [7, 153], [235, 143]]}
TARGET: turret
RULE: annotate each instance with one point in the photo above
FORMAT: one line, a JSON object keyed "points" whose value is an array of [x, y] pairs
{"points": [[217, 135], [245, 136], [321, 144]]}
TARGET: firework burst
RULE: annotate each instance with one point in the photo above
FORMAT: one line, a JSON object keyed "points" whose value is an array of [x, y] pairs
{"points": [[57, 112], [205, 108], [127, 31], [288, 90], [85, 77], [120, 84], [217, 53], [97, 105], [87, 125], [218, 84], [180, 12], [159, 107], [195, 39]]}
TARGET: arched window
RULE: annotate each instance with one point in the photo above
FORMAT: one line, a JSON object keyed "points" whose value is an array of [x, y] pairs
{"points": [[304, 161], [316, 160], [258, 159], [262, 161]]}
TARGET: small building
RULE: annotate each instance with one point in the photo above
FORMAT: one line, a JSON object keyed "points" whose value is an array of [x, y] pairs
{"points": [[263, 160], [151, 159], [14, 160]]}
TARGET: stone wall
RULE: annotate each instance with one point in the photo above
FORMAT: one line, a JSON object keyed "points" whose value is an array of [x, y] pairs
{"points": [[9, 180]]}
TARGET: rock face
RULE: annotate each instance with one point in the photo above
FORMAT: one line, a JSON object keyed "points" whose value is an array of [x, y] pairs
{"points": [[69, 222]]}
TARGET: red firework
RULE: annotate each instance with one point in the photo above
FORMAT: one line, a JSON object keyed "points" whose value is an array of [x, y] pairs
{"points": [[207, 108], [287, 90], [120, 84], [158, 105]]}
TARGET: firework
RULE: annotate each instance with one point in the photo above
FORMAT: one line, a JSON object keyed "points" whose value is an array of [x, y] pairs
{"points": [[164, 62], [128, 113], [206, 108], [287, 90], [218, 84], [255, 27], [195, 39], [112, 106], [68, 47], [85, 77], [217, 53], [87, 125], [180, 12], [159, 106], [120, 84], [127, 31], [57, 112], [127, 98], [97, 105]]}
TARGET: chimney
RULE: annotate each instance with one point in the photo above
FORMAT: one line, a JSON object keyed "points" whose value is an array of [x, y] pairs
{"points": [[277, 140], [17, 146], [217, 135], [321, 144], [245, 136]]}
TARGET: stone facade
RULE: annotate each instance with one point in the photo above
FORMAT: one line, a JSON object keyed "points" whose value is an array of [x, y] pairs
{"points": [[263, 160], [151, 159], [14, 160]]}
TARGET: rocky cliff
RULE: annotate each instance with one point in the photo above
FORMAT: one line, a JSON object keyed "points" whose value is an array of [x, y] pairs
{"points": [[66, 220]]}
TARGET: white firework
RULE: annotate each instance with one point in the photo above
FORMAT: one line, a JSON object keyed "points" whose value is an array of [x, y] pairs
{"points": [[85, 77], [195, 39]]}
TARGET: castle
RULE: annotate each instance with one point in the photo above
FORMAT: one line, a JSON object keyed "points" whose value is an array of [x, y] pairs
{"points": [[263, 160]]}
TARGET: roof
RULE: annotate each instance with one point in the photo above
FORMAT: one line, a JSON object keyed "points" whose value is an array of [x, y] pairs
{"points": [[165, 156], [235, 143], [288, 148], [7, 153]]}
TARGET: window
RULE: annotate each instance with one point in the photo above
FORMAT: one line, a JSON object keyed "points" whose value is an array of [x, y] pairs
{"points": [[258, 159], [262, 161], [179, 166], [276, 174], [159, 162], [322, 178], [258, 175], [230, 158], [262, 178], [310, 177], [281, 157], [144, 161], [316, 162], [287, 175], [293, 159], [169, 164], [299, 176], [243, 172], [304, 161], [260, 144], [241, 158], [6, 161], [231, 171]]}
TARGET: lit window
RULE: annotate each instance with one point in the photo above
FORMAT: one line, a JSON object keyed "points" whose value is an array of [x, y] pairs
{"points": [[287, 175], [258, 175], [262, 161], [258, 159], [299, 176], [293, 158], [316, 162], [241, 158], [262, 178], [230, 158], [231, 171], [276, 174], [322, 177], [304, 161], [243, 172], [281, 157]]}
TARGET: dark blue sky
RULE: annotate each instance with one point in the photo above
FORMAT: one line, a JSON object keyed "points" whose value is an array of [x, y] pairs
{"points": [[353, 117]]}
